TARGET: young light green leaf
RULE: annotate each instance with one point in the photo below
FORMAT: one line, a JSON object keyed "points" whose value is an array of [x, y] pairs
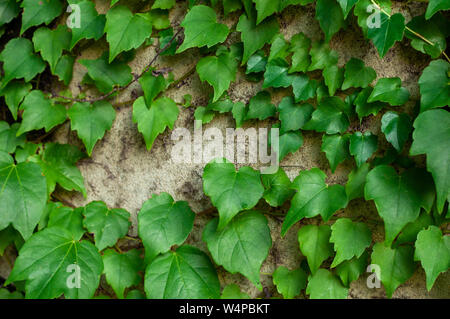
{"points": [[431, 136], [261, 107], [51, 43], [336, 149], [289, 282], [219, 71], [324, 285], [154, 120], [23, 195], [330, 17], [277, 188], [329, 117], [322, 56], [398, 198], [313, 197], [433, 251], [255, 36], [434, 85], [186, 273], [91, 121], [107, 225], [164, 223], [19, 61], [125, 30], [300, 45], [362, 146], [58, 166], [350, 240], [356, 181], [357, 74], [92, 24], [46, 261], [242, 246], [121, 270], [233, 291], [163, 4], [390, 31], [108, 75], [39, 112], [396, 265], [396, 128], [201, 28], [38, 12], [231, 191], [293, 116], [333, 76], [389, 90]]}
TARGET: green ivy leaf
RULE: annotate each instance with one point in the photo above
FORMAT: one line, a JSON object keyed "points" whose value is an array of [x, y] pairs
{"points": [[51, 43], [255, 36], [324, 285], [276, 74], [350, 240], [164, 223], [435, 6], [289, 282], [434, 85], [362, 146], [277, 188], [356, 181], [39, 112], [293, 116], [335, 148], [108, 75], [23, 195], [6, 294], [350, 270], [239, 113], [38, 12], [242, 246], [92, 24], [300, 46], [121, 270], [9, 10], [233, 291], [231, 191], [289, 142], [364, 108], [357, 74], [410, 231], [107, 225], [303, 88], [14, 93], [279, 48], [19, 61], [322, 56], [396, 128], [91, 121], [261, 107], [256, 63], [219, 71], [163, 4], [433, 140], [329, 117], [396, 265], [265, 8], [203, 114], [64, 68], [313, 197], [333, 76], [125, 30], [152, 86], [58, 166], [368, 13], [398, 198], [45, 262], [69, 219], [9, 141], [346, 6], [186, 273], [389, 90], [330, 17], [433, 251], [390, 31], [201, 28], [154, 120]]}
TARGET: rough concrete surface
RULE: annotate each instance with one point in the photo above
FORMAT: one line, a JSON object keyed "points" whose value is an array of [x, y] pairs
{"points": [[124, 174]]}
